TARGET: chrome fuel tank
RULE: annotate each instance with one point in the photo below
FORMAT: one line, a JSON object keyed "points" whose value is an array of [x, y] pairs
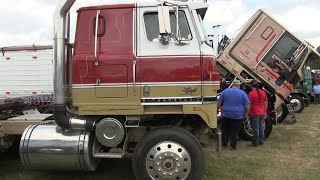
{"points": [[48, 147]]}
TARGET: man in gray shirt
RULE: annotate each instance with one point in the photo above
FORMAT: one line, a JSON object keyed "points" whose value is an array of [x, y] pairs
{"points": [[316, 91]]}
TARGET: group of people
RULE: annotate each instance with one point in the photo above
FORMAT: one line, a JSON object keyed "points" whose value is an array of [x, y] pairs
{"points": [[236, 106]]}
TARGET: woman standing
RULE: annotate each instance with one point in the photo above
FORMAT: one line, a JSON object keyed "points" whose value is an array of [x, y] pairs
{"points": [[258, 112]]}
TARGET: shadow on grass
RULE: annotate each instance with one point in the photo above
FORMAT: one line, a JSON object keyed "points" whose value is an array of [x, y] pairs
{"points": [[11, 169]]}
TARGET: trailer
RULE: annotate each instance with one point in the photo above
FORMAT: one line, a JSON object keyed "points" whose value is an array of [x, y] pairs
{"points": [[26, 79], [26, 89]]}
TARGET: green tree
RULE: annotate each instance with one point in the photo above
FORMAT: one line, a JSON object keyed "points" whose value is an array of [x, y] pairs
{"points": [[314, 63]]}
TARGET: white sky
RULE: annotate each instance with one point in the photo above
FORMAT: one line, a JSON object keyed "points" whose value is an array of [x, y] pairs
{"points": [[26, 22]]}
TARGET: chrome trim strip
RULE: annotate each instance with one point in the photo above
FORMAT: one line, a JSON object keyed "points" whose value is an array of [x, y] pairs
{"points": [[171, 56], [178, 100], [210, 96], [134, 61], [181, 83], [100, 85], [181, 97], [153, 84], [256, 27], [134, 75], [96, 62], [172, 103]]}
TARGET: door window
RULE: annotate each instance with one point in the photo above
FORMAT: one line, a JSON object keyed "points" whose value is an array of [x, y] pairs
{"points": [[152, 26]]}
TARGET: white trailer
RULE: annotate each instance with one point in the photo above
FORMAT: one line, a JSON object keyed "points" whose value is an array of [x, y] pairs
{"points": [[25, 78]]}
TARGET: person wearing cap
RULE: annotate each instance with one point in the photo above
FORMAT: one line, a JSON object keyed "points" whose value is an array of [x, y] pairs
{"points": [[258, 111], [316, 92], [235, 106]]}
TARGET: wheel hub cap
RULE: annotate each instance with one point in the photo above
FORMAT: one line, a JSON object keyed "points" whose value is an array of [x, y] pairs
{"points": [[296, 104], [168, 160]]}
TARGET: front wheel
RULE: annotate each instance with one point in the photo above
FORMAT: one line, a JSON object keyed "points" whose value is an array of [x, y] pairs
{"points": [[246, 132], [168, 153], [297, 103], [282, 112]]}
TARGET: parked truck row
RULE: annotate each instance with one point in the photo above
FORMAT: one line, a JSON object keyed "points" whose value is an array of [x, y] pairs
{"points": [[141, 79]]}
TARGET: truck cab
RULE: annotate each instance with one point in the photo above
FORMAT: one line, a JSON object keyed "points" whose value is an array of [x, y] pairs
{"points": [[264, 50], [128, 70]]}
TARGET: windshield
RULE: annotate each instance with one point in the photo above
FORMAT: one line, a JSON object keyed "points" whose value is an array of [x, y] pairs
{"points": [[285, 57]]}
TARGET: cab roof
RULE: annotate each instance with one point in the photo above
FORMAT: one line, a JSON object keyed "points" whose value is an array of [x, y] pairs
{"points": [[201, 8]]}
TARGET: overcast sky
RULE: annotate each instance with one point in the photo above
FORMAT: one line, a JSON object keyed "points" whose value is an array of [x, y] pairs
{"points": [[26, 22]]}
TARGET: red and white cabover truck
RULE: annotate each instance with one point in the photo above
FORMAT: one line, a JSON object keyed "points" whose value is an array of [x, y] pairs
{"points": [[141, 79]]}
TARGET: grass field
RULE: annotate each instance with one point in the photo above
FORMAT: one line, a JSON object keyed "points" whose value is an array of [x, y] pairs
{"points": [[291, 152]]}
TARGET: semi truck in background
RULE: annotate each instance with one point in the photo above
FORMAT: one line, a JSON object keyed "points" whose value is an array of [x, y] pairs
{"points": [[141, 79], [26, 80]]}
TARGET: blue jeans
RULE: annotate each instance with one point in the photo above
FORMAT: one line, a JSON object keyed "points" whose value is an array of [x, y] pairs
{"points": [[317, 98], [257, 125]]}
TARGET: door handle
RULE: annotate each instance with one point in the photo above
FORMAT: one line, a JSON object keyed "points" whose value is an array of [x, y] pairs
{"points": [[96, 62]]}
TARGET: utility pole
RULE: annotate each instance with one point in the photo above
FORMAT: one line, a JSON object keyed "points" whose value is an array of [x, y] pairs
{"points": [[213, 27]]}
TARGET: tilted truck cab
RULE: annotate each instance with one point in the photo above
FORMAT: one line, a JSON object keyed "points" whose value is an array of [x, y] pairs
{"points": [[264, 50]]}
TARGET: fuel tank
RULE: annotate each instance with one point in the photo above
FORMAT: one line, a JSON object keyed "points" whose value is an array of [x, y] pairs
{"points": [[49, 147]]}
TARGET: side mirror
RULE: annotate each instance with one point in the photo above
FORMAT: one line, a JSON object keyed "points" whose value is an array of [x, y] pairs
{"points": [[164, 24], [164, 19]]}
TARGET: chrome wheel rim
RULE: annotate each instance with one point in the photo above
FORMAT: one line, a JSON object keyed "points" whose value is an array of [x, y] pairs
{"points": [[248, 127], [296, 104], [168, 160]]}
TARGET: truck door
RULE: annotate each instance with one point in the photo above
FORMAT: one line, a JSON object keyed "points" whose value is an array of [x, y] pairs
{"points": [[171, 73], [103, 71]]}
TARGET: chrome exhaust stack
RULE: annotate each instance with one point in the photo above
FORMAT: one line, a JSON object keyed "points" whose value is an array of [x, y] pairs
{"points": [[59, 44], [60, 112]]}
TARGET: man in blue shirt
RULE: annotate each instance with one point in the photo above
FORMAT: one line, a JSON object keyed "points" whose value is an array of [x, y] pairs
{"points": [[235, 106]]}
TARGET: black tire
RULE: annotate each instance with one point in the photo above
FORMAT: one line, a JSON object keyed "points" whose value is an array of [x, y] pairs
{"points": [[306, 102], [268, 127], [282, 112], [148, 151], [297, 103], [246, 130], [10, 143], [48, 111]]}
